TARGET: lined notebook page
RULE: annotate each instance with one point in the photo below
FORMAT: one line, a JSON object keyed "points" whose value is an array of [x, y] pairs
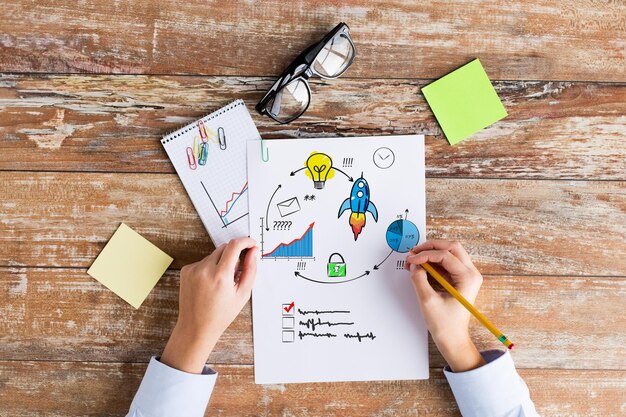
{"points": [[209, 156]]}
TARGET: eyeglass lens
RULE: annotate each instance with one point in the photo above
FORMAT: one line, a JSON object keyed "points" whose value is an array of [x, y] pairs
{"points": [[293, 99], [290, 101], [335, 57]]}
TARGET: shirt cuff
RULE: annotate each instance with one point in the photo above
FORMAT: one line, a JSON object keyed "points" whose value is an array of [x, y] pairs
{"points": [[494, 389], [166, 392]]}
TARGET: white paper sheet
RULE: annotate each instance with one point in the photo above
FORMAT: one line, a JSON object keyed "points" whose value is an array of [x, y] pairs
{"points": [[313, 320]]}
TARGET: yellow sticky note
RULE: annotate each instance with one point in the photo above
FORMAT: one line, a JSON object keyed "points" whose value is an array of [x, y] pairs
{"points": [[130, 266]]}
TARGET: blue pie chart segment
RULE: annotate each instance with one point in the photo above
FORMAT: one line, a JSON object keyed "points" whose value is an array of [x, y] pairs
{"points": [[402, 235]]}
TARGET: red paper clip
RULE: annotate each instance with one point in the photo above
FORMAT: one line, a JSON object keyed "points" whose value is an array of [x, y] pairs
{"points": [[202, 130], [191, 159]]}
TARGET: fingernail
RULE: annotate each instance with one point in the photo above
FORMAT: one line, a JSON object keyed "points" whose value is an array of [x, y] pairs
{"points": [[413, 267]]}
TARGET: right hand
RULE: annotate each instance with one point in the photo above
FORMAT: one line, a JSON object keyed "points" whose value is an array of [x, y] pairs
{"points": [[446, 318]]}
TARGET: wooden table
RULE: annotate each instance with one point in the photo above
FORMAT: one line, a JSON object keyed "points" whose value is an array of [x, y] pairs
{"points": [[539, 199]]}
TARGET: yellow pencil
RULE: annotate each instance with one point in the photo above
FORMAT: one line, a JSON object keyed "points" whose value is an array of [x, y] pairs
{"points": [[479, 316]]}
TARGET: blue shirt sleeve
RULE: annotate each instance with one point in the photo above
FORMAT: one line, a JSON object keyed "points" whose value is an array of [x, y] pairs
{"points": [[493, 390], [166, 392]]}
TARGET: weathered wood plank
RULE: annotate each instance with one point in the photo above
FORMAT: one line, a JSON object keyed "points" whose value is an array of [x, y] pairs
{"points": [[63, 314], [29, 389], [546, 40], [113, 123], [511, 227]]}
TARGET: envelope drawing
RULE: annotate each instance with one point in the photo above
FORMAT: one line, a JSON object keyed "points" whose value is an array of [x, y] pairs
{"points": [[289, 206]]}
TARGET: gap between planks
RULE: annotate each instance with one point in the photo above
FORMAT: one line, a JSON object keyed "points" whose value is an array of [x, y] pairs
{"points": [[277, 75], [56, 171], [79, 268], [232, 364]]}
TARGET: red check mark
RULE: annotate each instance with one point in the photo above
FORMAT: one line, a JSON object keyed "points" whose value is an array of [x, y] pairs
{"points": [[288, 309]]}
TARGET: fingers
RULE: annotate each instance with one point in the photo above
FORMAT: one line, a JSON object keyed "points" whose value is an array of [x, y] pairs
{"points": [[465, 278], [216, 255], [446, 259], [453, 247], [248, 272], [232, 251], [420, 282]]}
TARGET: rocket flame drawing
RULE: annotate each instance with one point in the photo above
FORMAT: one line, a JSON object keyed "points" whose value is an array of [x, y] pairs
{"points": [[359, 203]]}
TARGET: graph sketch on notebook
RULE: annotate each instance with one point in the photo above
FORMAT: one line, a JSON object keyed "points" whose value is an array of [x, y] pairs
{"points": [[209, 156]]}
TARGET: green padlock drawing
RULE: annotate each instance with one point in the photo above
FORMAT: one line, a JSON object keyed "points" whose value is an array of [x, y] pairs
{"points": [[336, 269]]}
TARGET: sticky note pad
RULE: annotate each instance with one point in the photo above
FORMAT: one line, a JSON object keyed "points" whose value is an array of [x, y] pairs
{"points": [[129, 265], [464, 102]]}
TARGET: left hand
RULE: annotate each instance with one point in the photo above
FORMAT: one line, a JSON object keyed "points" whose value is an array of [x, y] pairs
{"points": [[212, 293]]}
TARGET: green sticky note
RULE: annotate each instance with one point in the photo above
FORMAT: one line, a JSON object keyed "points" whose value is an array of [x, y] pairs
{"points": [[464, 102], [130, 266]]}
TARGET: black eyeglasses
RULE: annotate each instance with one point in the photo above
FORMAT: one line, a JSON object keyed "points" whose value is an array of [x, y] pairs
{"points": [[290, 95]]}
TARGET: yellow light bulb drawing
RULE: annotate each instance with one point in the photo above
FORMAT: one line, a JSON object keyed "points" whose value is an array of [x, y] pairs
{"points": [[319, 169]]}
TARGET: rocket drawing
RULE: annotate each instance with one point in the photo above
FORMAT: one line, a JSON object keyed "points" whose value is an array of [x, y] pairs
{"points": [[359, 203]]}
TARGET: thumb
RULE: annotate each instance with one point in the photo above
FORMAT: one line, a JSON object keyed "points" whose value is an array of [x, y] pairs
{"points": [[248, 273], [420, 283]]}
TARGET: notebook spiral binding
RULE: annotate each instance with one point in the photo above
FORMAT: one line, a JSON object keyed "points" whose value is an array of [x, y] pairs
{"points": [[193, 126], [265, 153]]}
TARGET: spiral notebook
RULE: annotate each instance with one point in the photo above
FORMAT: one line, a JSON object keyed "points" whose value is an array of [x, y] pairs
{"points": [[209, 156]]}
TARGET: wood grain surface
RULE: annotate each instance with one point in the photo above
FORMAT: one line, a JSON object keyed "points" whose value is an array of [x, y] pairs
{"points": [[112, 123], [88, 88], [577, 40]]}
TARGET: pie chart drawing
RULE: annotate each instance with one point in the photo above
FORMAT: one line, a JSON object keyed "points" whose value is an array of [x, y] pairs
{"points": [[402, 235]]}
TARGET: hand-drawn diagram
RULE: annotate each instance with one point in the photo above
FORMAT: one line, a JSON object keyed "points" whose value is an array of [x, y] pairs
{"points": [[359, 203], [384, 158], [288, 322], [336, 267], [345, 279], [289, 206], [230, 209], [300, 248], [402, 235], [319, 167]]}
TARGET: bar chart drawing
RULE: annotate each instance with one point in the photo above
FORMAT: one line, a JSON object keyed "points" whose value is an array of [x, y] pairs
{"points": [[300, 248]]}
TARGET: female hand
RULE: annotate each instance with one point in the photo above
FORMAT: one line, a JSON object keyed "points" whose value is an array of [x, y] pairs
{"points": [[446, 318], [212, 293]]}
